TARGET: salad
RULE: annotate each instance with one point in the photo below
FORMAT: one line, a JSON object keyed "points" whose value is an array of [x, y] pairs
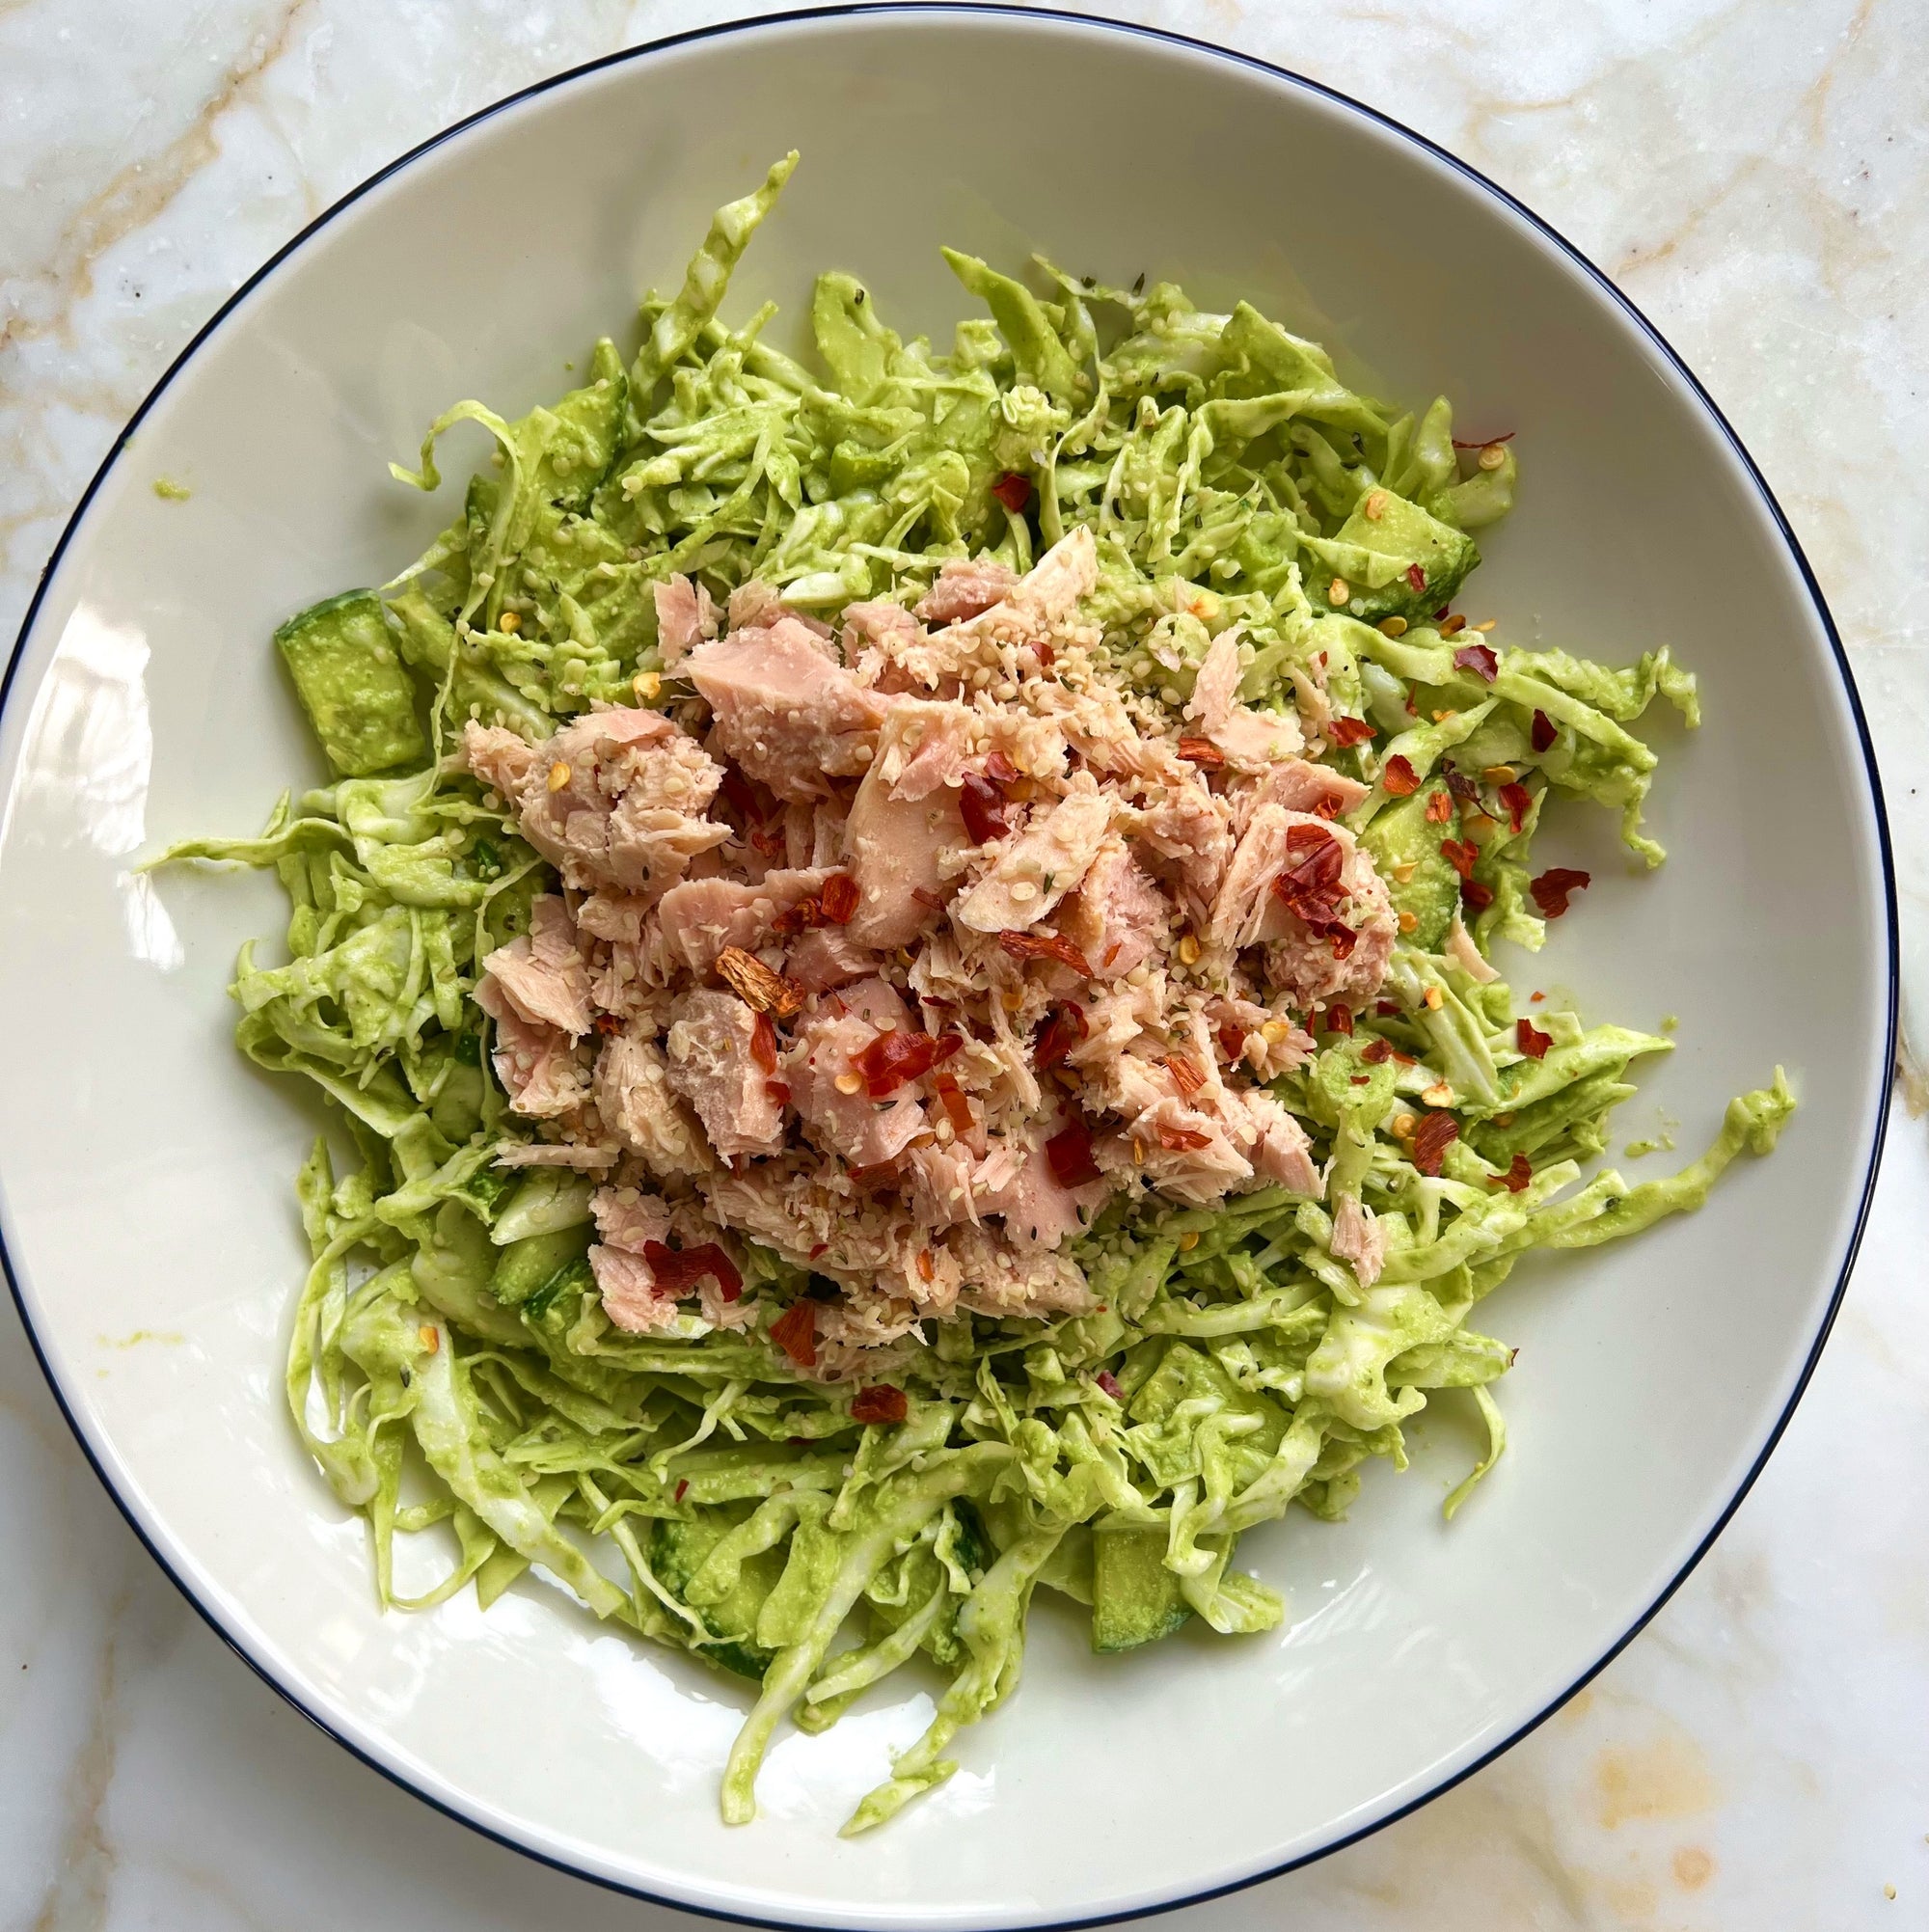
{"points": [[902, 948]]}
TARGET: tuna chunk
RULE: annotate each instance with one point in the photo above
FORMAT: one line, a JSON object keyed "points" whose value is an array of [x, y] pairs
{"points": [[1275, 1143], [1300, 787], [1048, 594], [785, 711], [827, 957], [589, 825], [1251, 739], [713, 1065], [1186, 830], [535, 1063], [1035, 870], [894, 846], [637, 1106], [1358, 1238], [1309, 965], [686, 617], [867, 1133], [1181, 1151], [543, 974], [1117, 918], [1240, 908], [925, 744], [965, 586], [1466, 954], [698, 918], [629, 1291], [880, 622], [1039, 1212]]}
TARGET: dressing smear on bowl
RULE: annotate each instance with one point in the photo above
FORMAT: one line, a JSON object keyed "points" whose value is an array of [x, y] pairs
{"points": [[903, 951]]}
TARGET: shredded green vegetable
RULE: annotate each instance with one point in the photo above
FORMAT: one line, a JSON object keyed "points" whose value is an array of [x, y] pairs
{"points": [[695, 1485]]}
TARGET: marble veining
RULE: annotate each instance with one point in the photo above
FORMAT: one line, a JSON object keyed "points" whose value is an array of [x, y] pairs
{"points": [[1753, 174]]}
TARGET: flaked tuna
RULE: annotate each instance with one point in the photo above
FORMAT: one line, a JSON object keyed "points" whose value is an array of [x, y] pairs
{"points": [[1250, 740], [894, 848], [640, 1109], [785, 711], [965, 586], [695, 921], [1035, 870], [1358, 1238], [536, 1063], [542, 974], [686, 617], [712, 1049]]}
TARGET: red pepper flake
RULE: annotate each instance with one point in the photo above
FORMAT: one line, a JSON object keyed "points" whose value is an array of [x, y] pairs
{"points": [[778, 1092], [1109, 1382], [1460, 853], [1516, 1178], [1013, 491], [931, 903], [678, 1273], [1183, 1140], [1452, 626], [1327, 807], [1432, 1138], [1342, 939], [1339, 1019], [1531, 1040], [1460, 785], [1045, 947], [1398, 777], [1070, 1153], [1439, 807], [1488, 444], [1544, 731], [1043, 653], [883, 1403], [956, 1108], [880, 1173], [1387, 1009], [1417, 576], [840, 898], [1375, 1052], [1232, 1041], [893, 1058], [927, 1268], [1203, 753], [682, 1489], [1185, 1076], [607, 1023], [1343, 731], [771, 843], [1551, 890], [1479, 897], [795, 1332], [1520, 802], [1062, 1031], [982, 806], [1000, 770], [764, 1043], [1478, 659], [819, 1248], [1536, 998]]}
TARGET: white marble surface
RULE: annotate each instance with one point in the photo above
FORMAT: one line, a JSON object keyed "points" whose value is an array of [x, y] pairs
{"points": [[1755, 174]]}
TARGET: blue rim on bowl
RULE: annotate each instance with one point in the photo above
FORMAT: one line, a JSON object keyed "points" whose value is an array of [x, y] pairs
{"points": [[1288, 80]]}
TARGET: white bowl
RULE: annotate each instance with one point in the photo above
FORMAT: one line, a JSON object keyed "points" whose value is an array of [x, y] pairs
{"points": [[145, 1170]]}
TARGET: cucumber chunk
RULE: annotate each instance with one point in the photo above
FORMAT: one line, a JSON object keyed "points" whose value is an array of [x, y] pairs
{"points": [[1135, 1599], [358, 695]]}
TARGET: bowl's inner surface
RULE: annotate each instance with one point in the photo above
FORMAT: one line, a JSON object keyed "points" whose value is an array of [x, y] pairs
{"points": [[147, 1172]]}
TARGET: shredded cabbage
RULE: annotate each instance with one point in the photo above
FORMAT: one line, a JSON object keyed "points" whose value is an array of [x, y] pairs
{"points": [[693, 1485]]}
